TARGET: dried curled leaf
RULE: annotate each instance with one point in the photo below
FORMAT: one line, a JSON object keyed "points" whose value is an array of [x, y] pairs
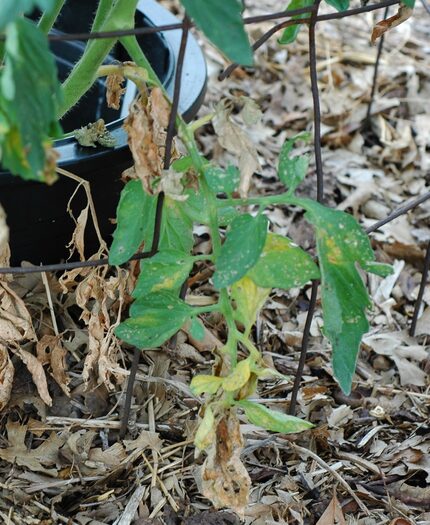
{"points": [[383, 26], [146, 126], [235, 140], [114, 90], [7, 373], [56, 357], [225, 480]]}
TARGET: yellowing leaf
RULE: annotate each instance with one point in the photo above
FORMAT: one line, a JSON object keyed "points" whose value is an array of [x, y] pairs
{"points": [[205, 434], [205, 383], [272, 420], [249, 299], [238, 377]]}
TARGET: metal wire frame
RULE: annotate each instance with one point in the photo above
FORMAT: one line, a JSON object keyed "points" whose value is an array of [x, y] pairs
{"points": [[312, 20]]}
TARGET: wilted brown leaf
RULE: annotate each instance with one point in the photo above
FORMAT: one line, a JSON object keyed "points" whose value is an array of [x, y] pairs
{"points": [[7, 373], [236, 141], [15, 320], [146, 128], [36, 459], [56, 357], [77, 242], [225, 480], [333, 514], [114, 90], [37, 372], [383, 26]]}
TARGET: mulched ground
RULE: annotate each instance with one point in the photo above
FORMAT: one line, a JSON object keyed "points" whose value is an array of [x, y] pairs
{"points": [[367, 461]]}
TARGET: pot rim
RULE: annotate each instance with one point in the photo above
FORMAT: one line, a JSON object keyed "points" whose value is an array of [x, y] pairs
{"points": [[194, 77]]}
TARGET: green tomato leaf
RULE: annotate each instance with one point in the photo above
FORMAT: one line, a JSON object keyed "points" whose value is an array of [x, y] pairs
{"points": [[341, 244], [30, 95], [221, 22], [249, 300], [283, 264], [183, 164], [408, 3], [205, 384], [154, 319], [241, 249], [177, 226], [238, 377], [272, 420], [340, 5], [167, 270], [135, 222], [205, 434], [292, 170], [197, 329], [222, 181], [290, 33], [12, 9]]}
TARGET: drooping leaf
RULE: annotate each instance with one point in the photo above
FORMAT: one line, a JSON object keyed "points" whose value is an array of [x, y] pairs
{"points": [[197, 329], [30, 95], [249, 299], [241, 249], [222, 181], [135, 222], [205, 434], [205, 384], [340, 5], [283, 264], [341, 244], [272, 420], [292, 170], [154, 319], [290, 33], [167, 270], [238, 377], [11, 9], [222, 23]]}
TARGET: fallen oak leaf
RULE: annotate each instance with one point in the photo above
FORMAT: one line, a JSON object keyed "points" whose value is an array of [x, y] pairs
{"points": [[36, 459], [383, 26]]}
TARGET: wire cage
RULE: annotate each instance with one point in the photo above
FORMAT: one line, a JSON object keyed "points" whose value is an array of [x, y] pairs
{"points": [[281, 20]]}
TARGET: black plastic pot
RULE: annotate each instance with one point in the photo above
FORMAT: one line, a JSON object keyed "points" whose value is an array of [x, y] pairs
{"points": [[39, 224]]}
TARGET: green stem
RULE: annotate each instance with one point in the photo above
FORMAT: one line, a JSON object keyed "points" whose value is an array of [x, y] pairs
{"points": [[133, 48], [101, 14], [48, 18], [197, 310], [84, 73]]}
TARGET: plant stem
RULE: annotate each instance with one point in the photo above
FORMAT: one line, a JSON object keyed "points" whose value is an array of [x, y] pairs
{"points": [[84, 73], [101, 14], [133, 48], [48, 18], [271, 200]]}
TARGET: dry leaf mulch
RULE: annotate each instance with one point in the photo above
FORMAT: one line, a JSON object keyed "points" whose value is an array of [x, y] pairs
{"points": [[367, 461]]}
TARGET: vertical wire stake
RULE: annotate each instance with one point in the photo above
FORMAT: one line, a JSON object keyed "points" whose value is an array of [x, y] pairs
{"points": [[419, 300], [320, 194], [375, 74], [171, 131]]}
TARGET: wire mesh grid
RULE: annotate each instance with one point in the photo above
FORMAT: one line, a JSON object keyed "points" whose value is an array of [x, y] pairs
{"points": [[282, 20]]}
